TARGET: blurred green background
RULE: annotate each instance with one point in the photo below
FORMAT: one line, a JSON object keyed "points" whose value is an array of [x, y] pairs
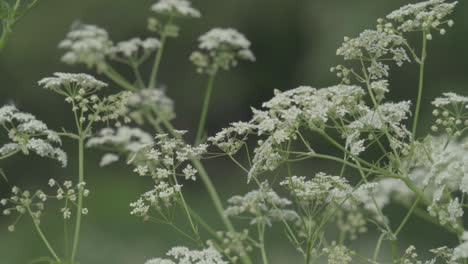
{"points": [[295, 43]]}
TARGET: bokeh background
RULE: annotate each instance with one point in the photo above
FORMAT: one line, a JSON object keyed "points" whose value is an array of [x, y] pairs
{"points": [[295, 43]]}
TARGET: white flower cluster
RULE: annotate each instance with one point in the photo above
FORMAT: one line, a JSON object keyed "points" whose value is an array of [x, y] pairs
{"points": [[25, 202], [175, 8], [232, 244], [124, 140], [328, 193], [423, 16], [321, 190], [374, 47], [440, 166], [61, 82], [163, 161], [183, 255], [376, 195], [221, 48], [288, 111], [386, 120], [27, 134], [68, 193], [163, 195], [451, 113], [167, 155], [153, 99], [79, 91], [338, 254], [87, 44], [135, 49], [263, 206], [461, 252]]}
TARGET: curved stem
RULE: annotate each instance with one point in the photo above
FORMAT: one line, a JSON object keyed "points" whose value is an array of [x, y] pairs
{"points": [[41, 234], [76, 237], [204, 113], [378, 247]]}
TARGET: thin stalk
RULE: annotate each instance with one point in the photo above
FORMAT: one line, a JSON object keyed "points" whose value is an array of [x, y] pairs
{"points": [[9, 154], [378, 247], [187, 212], [206, 105], [395, 251], [4, 38], [76, 237], [408, 216], [421, 85], [157, 62], [41, 234], [261, 238], [118, 79]]}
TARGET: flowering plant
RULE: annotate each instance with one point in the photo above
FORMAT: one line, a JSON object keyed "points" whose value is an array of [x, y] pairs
{"points": [[425, 173]]}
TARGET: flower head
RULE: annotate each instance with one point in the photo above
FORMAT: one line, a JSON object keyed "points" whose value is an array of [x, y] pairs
{"points": [[27, 134], [175, 8], [425, 16], [221, 48], [87, 44]]}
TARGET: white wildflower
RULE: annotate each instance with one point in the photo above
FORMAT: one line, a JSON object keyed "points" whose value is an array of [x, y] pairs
{"points": [[423, 16], [134, 48], [461, 251], [263, 206], [177, 8], [87, 44], [182, 255], [221, 48], [108, 159]]}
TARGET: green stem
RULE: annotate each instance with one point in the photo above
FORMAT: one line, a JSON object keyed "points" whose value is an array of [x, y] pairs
{"points": [[9, 154], [408, 216], [157, 62], [41, 234], [117, 78], [204, 113], [187, 212], [421, 86], [395, 251], [76, 237], [378, 247], [4, 38], [261, 238]]}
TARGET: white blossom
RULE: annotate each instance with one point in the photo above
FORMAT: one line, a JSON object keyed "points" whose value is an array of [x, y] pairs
{"points": [[183, 255], [27, 134], [87, 44], [178, 8], [423, 16], [221, 48], [262, 206], [134, 48]]}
